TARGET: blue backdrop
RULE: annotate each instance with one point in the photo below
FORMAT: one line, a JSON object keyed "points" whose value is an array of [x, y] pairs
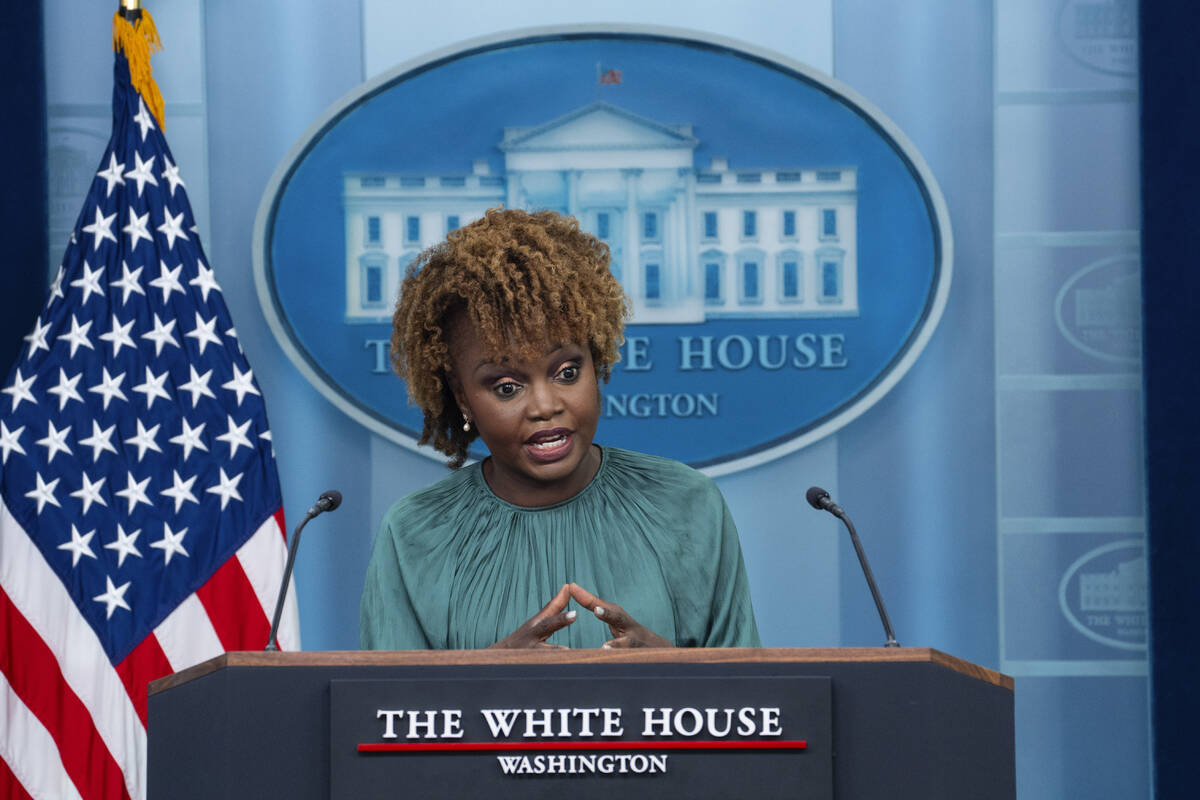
{"points": [[1005, 459]]}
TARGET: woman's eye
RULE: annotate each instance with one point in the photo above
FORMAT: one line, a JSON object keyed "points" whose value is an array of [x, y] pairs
{"points": [[569, 373], [506, 389]]}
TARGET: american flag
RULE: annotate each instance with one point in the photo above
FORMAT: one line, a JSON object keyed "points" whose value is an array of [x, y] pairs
{"points": [[141, 528]]}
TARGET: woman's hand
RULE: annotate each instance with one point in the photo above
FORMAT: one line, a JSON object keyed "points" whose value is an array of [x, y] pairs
{"points": [[626, 631], [538, 628]]}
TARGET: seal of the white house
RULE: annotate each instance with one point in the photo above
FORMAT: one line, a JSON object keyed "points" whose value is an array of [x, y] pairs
{"points": [[1103, 595], [785, 249]]}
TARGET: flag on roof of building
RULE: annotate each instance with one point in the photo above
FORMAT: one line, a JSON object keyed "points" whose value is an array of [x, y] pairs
{"points": [[609, 76], [141, 524]]}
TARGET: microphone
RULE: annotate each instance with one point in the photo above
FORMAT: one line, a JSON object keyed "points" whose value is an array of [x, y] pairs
{"points": [[819, 499], [328, 501]]}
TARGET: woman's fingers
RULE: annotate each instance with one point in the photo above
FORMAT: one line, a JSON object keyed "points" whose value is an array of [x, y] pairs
{"points": [[542, 625], [619, 642], [557, 603], [545, 627], [609, 613]]}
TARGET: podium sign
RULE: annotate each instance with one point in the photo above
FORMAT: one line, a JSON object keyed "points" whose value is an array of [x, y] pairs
{"points": [[651, 736], [897, 723]]}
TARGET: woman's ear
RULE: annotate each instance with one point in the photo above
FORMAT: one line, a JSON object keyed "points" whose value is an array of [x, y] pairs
{"points": [[460, 397]]}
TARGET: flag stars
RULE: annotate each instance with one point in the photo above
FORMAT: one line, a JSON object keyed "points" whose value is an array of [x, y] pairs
{"points": [[144, 440], [168, 280], [135, 492], [19, 389], [10, 441], [130, 283], [161, 335], [170, 174], [171, 543], [79, 546], [119, 335], [56, 284], [141, 172], [189, 439], [125, 545], [204, 333], [204, 280], [90, 282], [137, 229], [100, 440], [226, 488], [143, 119], [100, 229], [55, 441], [198, 385], [172, 228], [153, 387], [109, 387], [181, 491], [65, 389], [242, 383], [113, 597], [112, 175], [78, 335], [44, 493], [37, 337], [236, 437], [90, 492]]}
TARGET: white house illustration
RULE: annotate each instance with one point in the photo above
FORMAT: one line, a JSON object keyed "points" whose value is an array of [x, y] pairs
{"points": [[1122, 589], [688, 244]]}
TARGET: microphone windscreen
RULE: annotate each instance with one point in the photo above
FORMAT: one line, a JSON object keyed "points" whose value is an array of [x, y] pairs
{"points": [[332, 499], [815, 495]]}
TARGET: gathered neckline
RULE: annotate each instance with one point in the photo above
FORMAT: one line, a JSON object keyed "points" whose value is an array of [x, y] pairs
{"points": [[481, 482]]}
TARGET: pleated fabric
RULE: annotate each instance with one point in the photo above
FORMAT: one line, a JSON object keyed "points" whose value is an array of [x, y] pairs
{"points": [[456, 567]]}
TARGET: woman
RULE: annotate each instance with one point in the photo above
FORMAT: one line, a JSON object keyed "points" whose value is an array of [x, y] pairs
{"points": [[504, 332]]}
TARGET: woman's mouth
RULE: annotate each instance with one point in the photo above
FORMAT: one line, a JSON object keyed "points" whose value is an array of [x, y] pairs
{"points": [[550, 445]]}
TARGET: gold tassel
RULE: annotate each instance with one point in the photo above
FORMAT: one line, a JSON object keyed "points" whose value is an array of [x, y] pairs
{"points": [[137, 42]]}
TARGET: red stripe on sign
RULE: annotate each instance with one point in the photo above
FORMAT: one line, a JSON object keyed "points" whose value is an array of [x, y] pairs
{"points": [[717, 744], [146, 662], [282, 527], [34, 675], [10, 787], [233, 608]]}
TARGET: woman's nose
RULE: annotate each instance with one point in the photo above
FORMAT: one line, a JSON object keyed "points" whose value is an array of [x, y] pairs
{"points": [[544, 402]]}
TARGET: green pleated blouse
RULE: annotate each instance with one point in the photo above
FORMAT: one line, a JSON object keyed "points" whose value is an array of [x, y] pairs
{"points": [[456, 567]]}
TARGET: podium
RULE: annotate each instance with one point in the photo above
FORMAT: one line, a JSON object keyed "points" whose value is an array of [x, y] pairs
{"points": [[875, 723]]}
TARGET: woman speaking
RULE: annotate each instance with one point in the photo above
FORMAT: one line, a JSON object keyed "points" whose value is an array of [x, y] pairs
{"points": [[505, 331]]}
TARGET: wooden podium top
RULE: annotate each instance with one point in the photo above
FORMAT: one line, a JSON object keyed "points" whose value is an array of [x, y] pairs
{"points": [[711, 655]]}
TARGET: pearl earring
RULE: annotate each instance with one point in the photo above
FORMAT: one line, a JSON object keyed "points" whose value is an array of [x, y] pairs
{"points": [[466, 425]]}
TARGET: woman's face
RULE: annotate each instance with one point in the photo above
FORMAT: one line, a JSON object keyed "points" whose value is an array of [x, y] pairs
{"points": [[537, 417]]}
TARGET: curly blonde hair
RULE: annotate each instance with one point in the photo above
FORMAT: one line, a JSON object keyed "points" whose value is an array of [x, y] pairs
{"points": [[522, 279]]}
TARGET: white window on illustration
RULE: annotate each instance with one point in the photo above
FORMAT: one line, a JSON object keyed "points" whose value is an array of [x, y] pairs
{"points": [[602, 225], [790, 285], [653, 276], [749, 224], [750, 276], [829, 275], [788, 226], [371, 278], [374, 231], [412, 229], [829, 227], [650, 227], [712, 267], [452, 222], [711, 230]]}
